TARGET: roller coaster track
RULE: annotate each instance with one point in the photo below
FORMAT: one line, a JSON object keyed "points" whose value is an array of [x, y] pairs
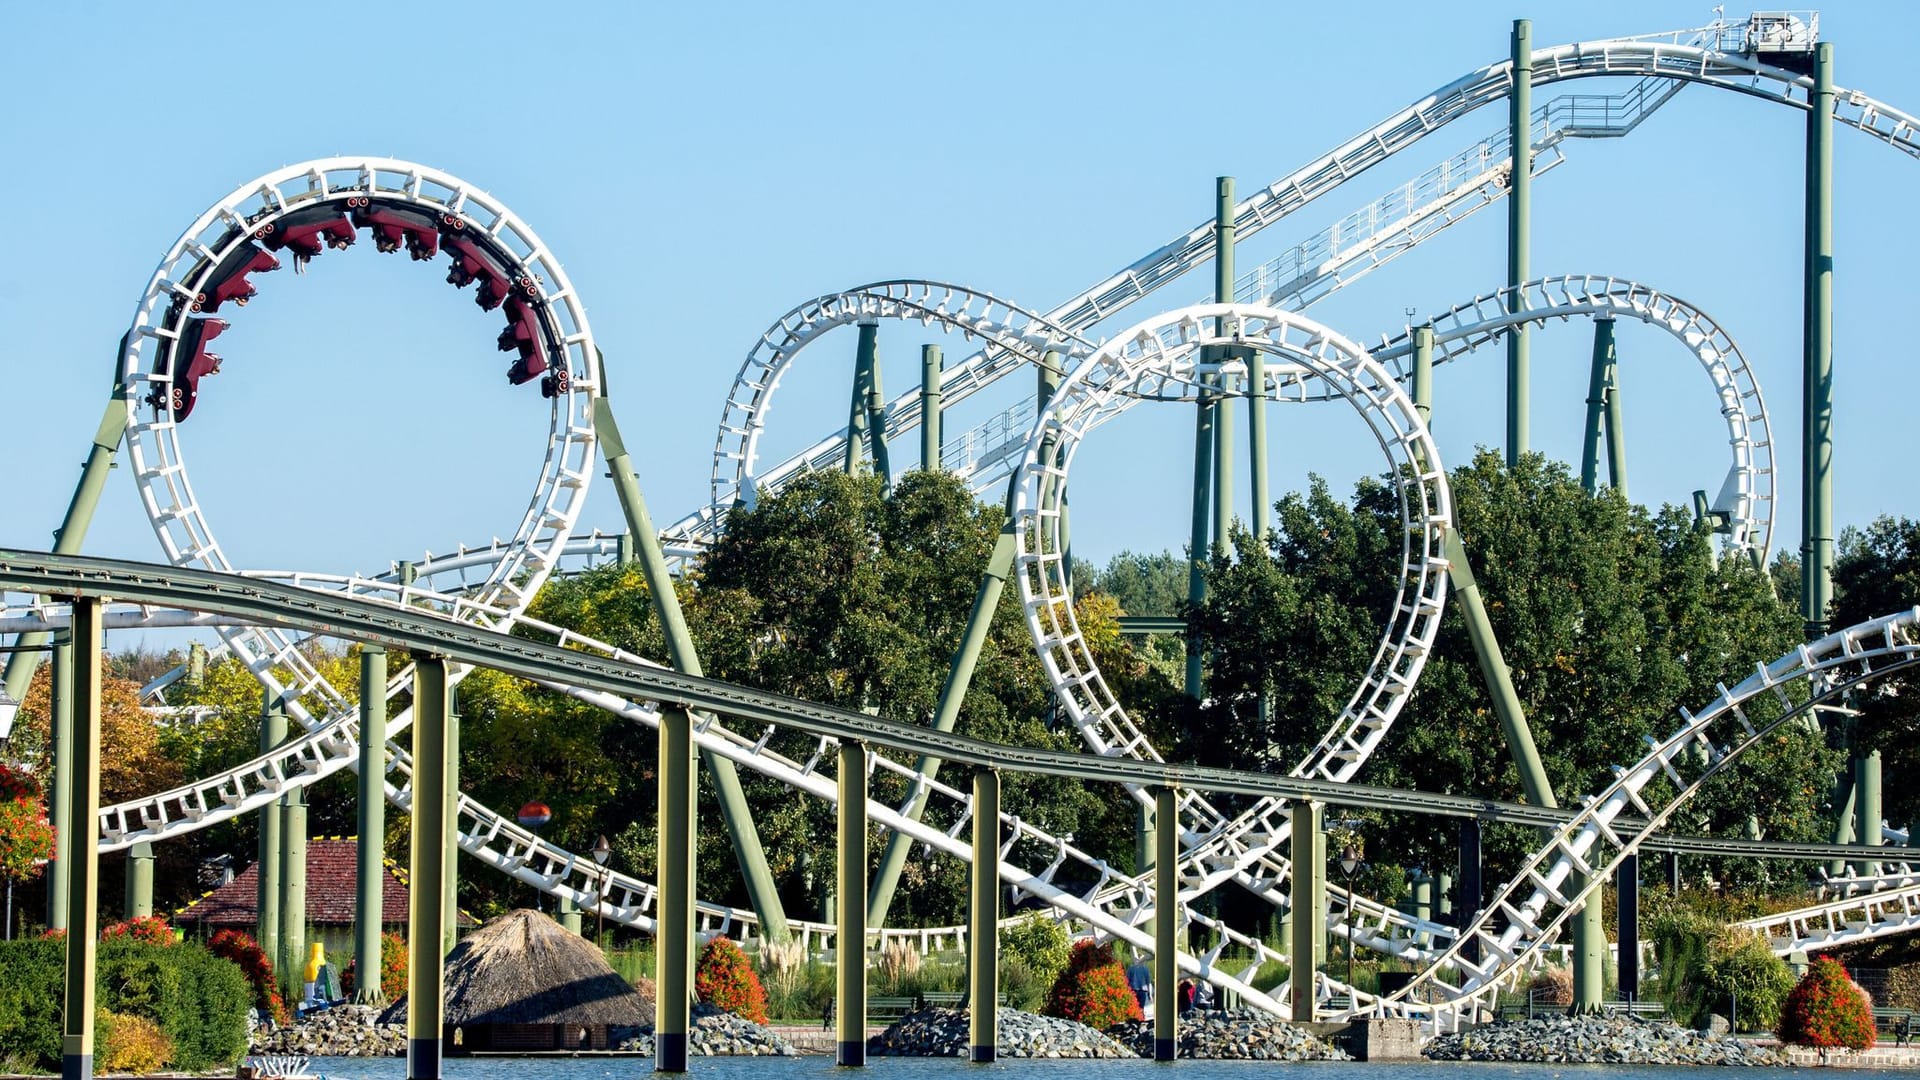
{"points": [[1747, 495], [1510, 929], [1680, 56]]}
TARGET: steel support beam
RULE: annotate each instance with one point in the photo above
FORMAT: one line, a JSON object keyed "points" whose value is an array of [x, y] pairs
{"points": [[1519, 234], [734, 812], [674, 938], [931, 444], [850, 937], [1626, 920], [139, 884], [1472, 894], [293, 894], [983, 920], [1166, 924], [273, 732], [877, 423], [1866, 801], [953, 693], [863, 364], [60, 736], [83, 858], [1816, 515], [1423, 372], [1493, 668], [1308, 904], [1223, 410], [569, 913], [1198, 547], [1616, 430], [1598, 378], [73, 529], [426, 963], [450, 886], [370, 847], [1589, 952]]}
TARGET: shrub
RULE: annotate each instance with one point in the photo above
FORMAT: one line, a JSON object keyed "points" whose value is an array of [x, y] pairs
{"points": [[1093, 989], [1742, 968], [25, 835], [147, 929], [1039, 942], [1827, 1009], [725, 979], [245, 952], [129, 1044], [393, 968], [195, 1002]]}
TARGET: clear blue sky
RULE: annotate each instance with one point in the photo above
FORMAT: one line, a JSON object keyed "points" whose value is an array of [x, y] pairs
{"points": [[700, 170]]}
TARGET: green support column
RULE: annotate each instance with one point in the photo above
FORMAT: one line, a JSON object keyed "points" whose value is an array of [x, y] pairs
{"points": [[1423, 372], [1257, 442], [273, 732], [73, 527], [986, 600], [1866, 785], [450, 888], [1223, 411], [1166, 924], [370, 848], [673, 942], [877, 425], [983, 920], [61, 738], [426, 963], [931, 444], [734, 812], [293, 895], [1844, 800], [1307, 904], [623, 549], [1589, 952], [1597, 380], [83, 858], [139, 886], [1519, 227], [864, 362], [1198, 546], [569, 915], [1816, 516], [1616, 432], [1493, 668], [850, 939]]}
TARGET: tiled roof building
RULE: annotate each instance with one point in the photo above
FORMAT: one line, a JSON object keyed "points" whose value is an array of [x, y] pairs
{"points": [[333, 883]]}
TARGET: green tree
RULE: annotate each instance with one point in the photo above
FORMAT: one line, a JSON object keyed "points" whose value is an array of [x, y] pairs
{"points": [[1609, 617]]}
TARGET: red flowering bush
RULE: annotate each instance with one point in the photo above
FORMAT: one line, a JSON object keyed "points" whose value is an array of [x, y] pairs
{"points": [[56, 934], [26, 837], [725, 979], [147, 929], [252, 960], [1093, 989], [1827, 1009], [393, 968]]}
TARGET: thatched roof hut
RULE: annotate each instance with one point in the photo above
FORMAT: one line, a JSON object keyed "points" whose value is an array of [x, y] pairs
{"points": [[523, 982]]}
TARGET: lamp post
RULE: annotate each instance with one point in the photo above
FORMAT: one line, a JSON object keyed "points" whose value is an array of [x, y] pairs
{"points": [[601, 851], [1349, 863]]}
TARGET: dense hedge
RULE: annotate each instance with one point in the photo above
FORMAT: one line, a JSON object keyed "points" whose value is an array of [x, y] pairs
{"points": [[198, 1000]]}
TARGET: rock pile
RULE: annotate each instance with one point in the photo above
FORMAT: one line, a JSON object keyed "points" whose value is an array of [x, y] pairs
{"points": [[342, 1031], [715, 1032], [1242, 1034], [943, 1033], [1599, 1040]]}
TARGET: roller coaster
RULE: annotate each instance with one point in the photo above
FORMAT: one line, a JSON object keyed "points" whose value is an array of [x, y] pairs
{"points": [[471, 606]]}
